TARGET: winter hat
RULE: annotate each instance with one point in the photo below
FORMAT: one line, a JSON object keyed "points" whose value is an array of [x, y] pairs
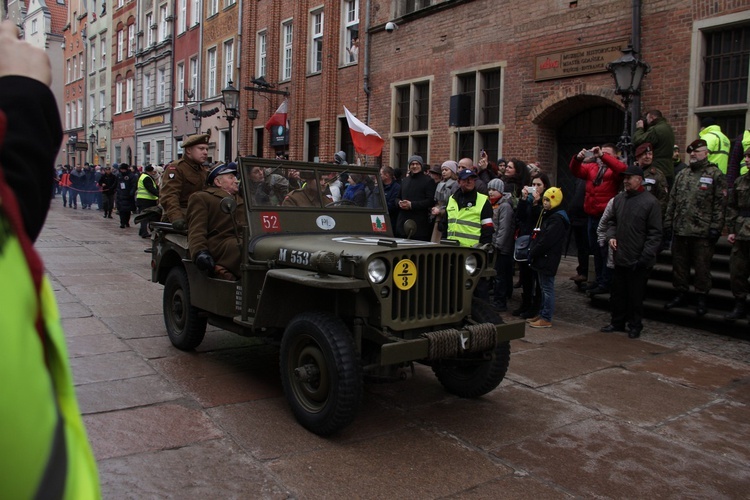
{"points": [[340, 158], [554, 195], [415, 158], [450, 164], [497, 185], [643, 148]]}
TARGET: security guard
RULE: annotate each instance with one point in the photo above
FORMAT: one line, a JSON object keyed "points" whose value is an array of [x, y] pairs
{"points": [[146, 195], [654, 180], [469, 215], [695, 215], [738, 225], [183, 178]]}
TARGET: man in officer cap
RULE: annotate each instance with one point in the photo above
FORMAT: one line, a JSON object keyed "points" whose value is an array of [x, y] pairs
{"points": [[213, 240], [695, 216], [183, 178], [738, 226]]}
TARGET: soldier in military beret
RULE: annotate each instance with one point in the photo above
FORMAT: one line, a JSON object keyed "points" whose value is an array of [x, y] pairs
{"points": [[695, 215], [654, 180], [183, 178], [738, 226]]}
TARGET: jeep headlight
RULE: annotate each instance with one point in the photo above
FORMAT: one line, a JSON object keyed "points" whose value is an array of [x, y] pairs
{"points": [[471, 264], [377, 270]]}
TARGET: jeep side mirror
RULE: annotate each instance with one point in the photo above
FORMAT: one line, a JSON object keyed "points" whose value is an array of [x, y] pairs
{"points": [[410, 228], [228, 205]]}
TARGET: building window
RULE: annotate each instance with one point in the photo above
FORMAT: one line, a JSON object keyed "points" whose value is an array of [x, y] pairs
{"points": [[182, 22], [286, 51], [68, 71], [194, 77], [79, 123], [316, 42], [313, 141], [160, 152], [147, 90], [149, 29], [102, 104], [228, 3], [180, 84], [92, 108], [409, 6], [726, 68], [120, 44], [262, 39], [411, 103], [483, 89], [161, 92], [196, 12], [67, 116], [163, 24], [129, 94], [92, 50], [350, 26], [33, 26], [213, 7], [228, 62], [103, 53], [211, 64], [82, 67], [118, 97], [131, 40], [75, 67]]}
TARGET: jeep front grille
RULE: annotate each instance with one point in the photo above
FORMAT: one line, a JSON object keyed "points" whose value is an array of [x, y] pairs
{"points": [[438, 293]]}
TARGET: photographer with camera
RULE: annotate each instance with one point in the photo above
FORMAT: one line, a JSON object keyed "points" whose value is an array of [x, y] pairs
{"points": [[601, 169]]}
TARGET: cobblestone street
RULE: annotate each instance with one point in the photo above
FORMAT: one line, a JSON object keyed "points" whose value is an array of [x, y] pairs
{"points": [[580, 413]]}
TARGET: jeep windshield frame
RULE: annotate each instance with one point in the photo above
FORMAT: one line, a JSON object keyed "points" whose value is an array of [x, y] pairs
{"points": [[284, 197]]}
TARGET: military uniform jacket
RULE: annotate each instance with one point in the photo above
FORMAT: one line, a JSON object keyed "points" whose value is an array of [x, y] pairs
{"points": [[661, 137], [697, 201], [738, 209], [211, 229], [180, 180], [655, 183], [302, 198]]}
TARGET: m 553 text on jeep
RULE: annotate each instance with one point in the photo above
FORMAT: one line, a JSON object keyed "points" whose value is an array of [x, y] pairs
{"points": [[339, 293]]}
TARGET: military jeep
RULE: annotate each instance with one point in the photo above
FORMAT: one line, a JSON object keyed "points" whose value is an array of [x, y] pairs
{"points": [[344, 299]]}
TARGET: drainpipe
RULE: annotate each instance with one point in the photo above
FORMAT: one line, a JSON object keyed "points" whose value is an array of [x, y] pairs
{"points": [[366, 77], [636, 34]]}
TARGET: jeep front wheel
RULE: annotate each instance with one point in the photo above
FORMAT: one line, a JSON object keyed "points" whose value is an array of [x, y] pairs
{"points": [[185, 327], [320, 372], [477, 374]]}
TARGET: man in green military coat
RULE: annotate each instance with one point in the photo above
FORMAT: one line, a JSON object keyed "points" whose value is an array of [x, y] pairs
{"points": [[183, 178], [738, 225], [695, 216], [212, 241], [659, 133]]}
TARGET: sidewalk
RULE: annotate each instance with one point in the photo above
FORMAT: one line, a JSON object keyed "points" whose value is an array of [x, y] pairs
{"points": [[580, 413]]}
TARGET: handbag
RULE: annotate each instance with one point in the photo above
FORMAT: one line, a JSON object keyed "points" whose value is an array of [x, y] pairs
{"points": [[521, 249]]}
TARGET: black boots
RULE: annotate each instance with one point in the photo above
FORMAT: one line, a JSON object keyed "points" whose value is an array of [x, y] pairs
{"points": [[701, 309], [678, 300], [738, 312]]}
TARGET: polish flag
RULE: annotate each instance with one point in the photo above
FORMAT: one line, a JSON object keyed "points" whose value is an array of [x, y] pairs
{"points": [[279, 117], [366, 140]]}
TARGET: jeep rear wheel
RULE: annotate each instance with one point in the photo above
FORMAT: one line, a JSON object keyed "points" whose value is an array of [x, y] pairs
{"points": [[185, 327], [321, 373], [475, 375]]}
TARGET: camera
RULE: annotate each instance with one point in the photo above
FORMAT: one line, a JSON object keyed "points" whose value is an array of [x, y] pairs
{"points": [[531, 189], [390, 26], [588, 154]]}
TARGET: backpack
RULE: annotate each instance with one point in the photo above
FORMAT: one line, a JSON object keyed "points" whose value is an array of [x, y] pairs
{"points": [[521, 249]]}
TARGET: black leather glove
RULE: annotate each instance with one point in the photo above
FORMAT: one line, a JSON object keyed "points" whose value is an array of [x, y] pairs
{"points": [[713, 235], [204, 261], [179, 224]]}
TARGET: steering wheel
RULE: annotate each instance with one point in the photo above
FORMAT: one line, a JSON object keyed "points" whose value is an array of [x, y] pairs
{"points": [[341, 202]]}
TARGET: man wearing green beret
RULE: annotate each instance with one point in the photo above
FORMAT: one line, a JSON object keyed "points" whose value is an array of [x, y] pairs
{"points": [[183, 178]]}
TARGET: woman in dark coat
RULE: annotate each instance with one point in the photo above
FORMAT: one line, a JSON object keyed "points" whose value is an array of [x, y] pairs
{"points": [[126, 186]]}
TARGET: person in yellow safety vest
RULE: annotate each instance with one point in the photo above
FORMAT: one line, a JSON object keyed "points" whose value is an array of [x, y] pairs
{"points": [[146, 196], [718, 143], [736, 166], [44, 451], [469, 216]]}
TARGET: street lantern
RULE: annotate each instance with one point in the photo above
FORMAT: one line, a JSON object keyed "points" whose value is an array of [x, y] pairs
{"points": [[252, 113], [196, 122], [628, 72], [92, 141], [231, 98]]}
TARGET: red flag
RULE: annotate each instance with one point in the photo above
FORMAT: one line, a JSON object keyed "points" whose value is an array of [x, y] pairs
{"points": [[366, 140], [279, 117]]}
